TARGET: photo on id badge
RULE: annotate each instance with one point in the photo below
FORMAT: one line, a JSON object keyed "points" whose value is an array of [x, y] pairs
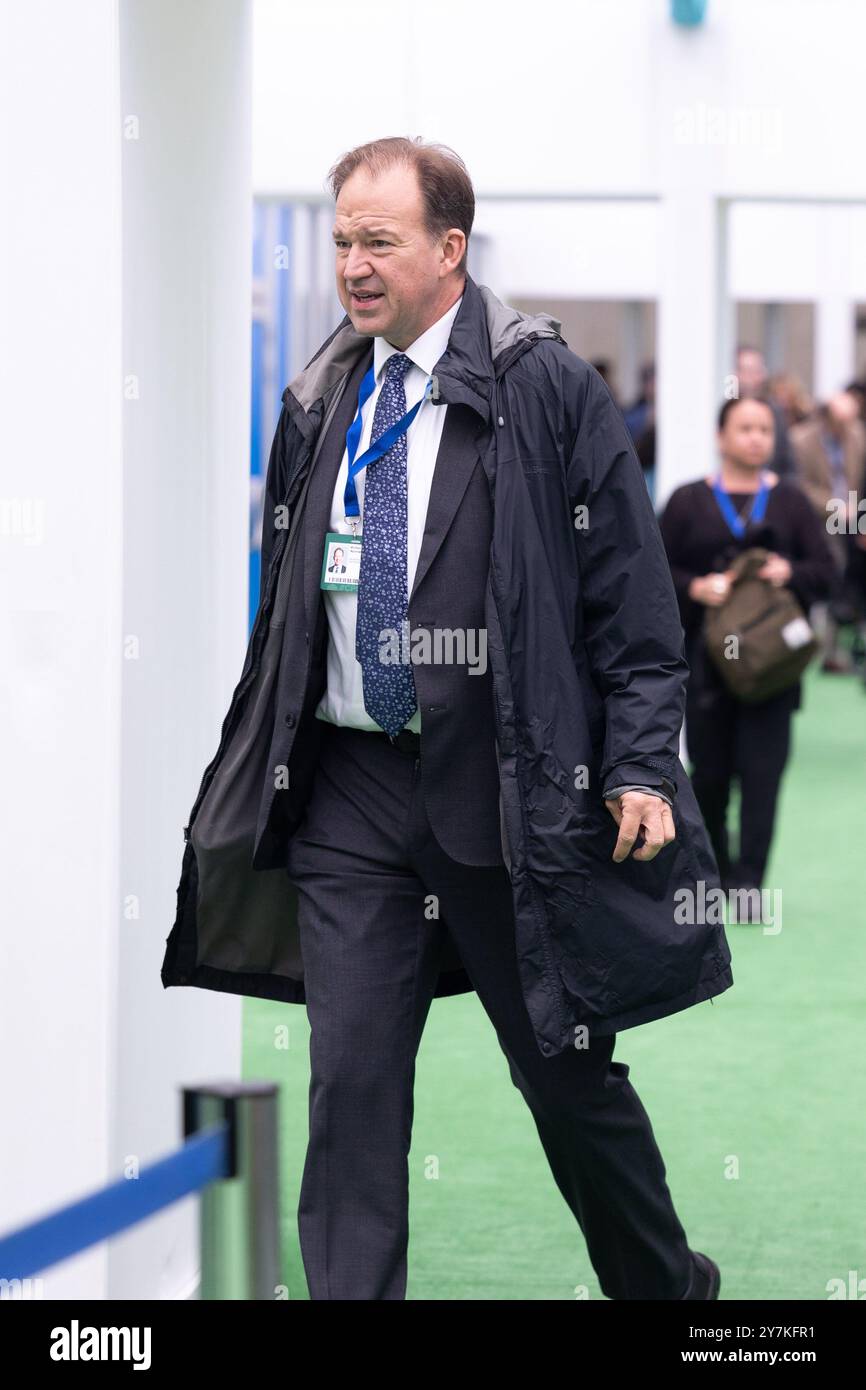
{"points": [[341, 562]]}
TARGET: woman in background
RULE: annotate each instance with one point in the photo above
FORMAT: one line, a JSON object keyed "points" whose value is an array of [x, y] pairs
{"points": [[705, 525]]}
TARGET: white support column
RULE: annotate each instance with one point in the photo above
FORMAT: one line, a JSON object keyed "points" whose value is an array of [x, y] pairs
{"points": [[834, 310], [694, 336], [187, 254], [124, 494], [60, 612], [630, 349], [694, 318], [774, 337]]}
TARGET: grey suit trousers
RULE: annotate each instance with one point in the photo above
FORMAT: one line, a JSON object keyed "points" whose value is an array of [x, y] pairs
{"points": [[365, 861]]}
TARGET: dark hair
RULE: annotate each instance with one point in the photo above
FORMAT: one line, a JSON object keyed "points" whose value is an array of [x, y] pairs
{"points": [[446, 188], [730, 405]]}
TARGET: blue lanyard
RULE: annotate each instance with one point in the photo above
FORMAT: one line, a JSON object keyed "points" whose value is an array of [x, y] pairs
{"points": [[382, 444], [729, 511]]}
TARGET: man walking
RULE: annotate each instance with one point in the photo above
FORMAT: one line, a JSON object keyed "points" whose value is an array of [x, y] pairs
{"points": [[458, 770]]}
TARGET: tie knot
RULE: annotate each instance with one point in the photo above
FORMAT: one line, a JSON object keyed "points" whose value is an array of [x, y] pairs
{"points": [[397, 365]]}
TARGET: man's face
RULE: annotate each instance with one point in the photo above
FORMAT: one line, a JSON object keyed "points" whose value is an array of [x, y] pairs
{"points": [[383, 249], [751, 372], [749, 434]]}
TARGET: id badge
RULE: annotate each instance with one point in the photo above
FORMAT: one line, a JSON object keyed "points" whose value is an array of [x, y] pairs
{"points": [[341, 562]]}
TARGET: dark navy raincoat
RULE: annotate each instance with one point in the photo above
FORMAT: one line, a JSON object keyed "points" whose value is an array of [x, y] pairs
{"points": [[586, 652]]}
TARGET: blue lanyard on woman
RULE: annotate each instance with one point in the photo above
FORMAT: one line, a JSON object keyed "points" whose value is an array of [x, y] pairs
{"points": [[381, 446], [735, 521]]}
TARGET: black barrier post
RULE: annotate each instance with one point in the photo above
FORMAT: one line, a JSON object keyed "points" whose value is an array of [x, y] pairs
{"points": [[239, 1231]]}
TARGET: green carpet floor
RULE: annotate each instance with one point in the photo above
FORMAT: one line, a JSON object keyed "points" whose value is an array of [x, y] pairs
{"points": [[758, 1099]]}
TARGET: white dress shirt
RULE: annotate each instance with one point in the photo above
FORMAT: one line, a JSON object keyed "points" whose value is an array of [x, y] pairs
{"points": [[343, 700]]}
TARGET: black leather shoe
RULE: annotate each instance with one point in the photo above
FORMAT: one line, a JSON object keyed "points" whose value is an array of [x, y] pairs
{"points": [[706, 1278]]}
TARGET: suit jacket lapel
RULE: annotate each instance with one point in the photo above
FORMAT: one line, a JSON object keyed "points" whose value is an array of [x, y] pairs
{"points": [[322, 484], [455, 461]]}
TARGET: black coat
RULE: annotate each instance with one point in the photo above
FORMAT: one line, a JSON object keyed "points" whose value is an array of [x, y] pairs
{"points": [[586, 652]]}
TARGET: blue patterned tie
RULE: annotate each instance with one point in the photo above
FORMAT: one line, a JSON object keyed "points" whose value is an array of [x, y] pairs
{"points": [[383, 599]]}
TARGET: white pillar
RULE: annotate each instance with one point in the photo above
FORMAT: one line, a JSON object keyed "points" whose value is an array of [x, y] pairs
{"points": [[630, 349], [124, 440], [775, 354], [834, 309], [187, 254], [694, 315], [60, 611], [694, 336]]}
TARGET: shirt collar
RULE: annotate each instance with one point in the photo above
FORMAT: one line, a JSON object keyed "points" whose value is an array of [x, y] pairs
{"points": [[426, 350]]}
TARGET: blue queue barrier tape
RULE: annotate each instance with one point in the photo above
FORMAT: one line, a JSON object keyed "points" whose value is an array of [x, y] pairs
{"points": [[202, 1160]]}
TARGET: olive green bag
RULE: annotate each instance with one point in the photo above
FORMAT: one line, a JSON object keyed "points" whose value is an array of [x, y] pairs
{"points": [[774, 641]]}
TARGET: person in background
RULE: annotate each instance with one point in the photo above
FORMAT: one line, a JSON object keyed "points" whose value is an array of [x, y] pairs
{"points": [[788, 392], [753, 381], [726, 738], [642, 411], [830, 454], [857, 389], [640, 420], [605, 371]]}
